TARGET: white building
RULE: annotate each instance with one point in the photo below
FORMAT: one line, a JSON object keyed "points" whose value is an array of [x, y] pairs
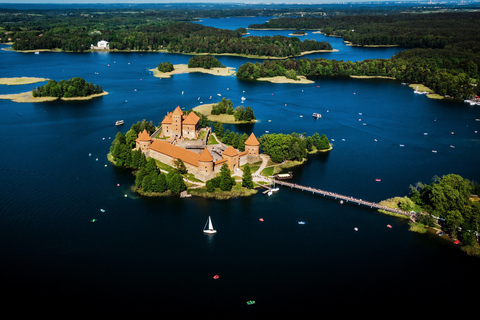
{"points": [[101, 45]]}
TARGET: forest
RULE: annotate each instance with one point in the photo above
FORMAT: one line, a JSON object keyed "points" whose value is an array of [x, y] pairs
{"points": [[448, 200], [77, 34], [148, 177], [444, 49], [205, 62], [75, 87], [446, 72]]}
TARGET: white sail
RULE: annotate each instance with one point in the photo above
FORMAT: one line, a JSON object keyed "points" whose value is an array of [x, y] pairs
{"points": [[210, 226]]}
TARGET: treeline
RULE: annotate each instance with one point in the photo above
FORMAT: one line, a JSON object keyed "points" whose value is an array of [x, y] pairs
{"points": [[165, 67], [228, 137], [294, 146], [75, 87], [178, 37], [434, 30], [447, 199], [148, 177], [278, 146], [240, 113], [446, 72], [205, 62]]}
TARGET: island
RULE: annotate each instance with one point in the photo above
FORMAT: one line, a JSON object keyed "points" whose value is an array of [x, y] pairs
{"points": [[448, 207], [73, 89], [184, 156], [224, 112], [21, 80], [202, 63], [441, 53]]}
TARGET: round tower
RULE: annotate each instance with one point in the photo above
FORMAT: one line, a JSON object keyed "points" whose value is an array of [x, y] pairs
{"points": [[205, 163], [252, 146]]}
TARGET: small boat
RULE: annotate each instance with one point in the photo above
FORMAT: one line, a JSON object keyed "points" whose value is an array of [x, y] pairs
{"points": [[209, 227], [316, 115], [356, 229], [261, 219], [275, 189], [434, 151], [119, 122], [270, 192], [301, 222], [102, 210], [36, 52], [389, 226], [250, 302], [378, 180], [216, 277], [93, 220]]}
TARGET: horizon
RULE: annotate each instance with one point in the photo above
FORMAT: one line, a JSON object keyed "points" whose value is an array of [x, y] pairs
{"points": [[262, 2]]}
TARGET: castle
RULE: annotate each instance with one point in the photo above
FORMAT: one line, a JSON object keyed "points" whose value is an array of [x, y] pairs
{"points": [[203, 165], [176, 124]]}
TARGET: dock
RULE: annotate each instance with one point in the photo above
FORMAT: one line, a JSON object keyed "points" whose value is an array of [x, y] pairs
{"points": [[344, 198]]}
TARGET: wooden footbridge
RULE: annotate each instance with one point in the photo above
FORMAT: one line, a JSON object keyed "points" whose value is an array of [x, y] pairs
{"points": [[343, 198]]}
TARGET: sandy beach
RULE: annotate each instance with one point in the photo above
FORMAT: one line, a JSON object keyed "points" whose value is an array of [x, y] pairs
{"points": [[20, 80], [183, 68], [282, 79], [28, 97]]}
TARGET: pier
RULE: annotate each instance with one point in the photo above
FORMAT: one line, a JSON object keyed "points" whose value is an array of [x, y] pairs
{"points": [[343, 198]]}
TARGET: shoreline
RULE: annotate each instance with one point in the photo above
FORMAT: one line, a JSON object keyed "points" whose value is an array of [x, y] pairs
{"points": [[14, 81], [222, 118], [183, 68], [27, 97], [283, 79]]}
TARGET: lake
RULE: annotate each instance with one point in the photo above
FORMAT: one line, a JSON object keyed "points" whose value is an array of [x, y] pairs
{"points": [[150, 254]]}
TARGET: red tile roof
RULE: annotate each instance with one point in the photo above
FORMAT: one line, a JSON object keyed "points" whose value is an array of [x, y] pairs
{"points": [[205, 156], [252, 141], [230, 151], [144, 136], [192, 118], [175, 152]]}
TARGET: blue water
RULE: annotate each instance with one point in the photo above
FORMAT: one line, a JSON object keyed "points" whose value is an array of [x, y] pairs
{"points": [[151, 254]]}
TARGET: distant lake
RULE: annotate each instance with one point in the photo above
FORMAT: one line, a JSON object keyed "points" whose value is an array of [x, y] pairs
{"points": [[150, 253]]}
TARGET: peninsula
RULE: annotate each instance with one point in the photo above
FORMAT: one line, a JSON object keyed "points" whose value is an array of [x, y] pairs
{"points": [[21, 80], [27, 97], [183, 68]]}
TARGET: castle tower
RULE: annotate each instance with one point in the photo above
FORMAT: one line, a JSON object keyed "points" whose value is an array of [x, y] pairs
{"points": [[205, 163], [252, 146], [232, 157], [177, 122], [143, 141]]}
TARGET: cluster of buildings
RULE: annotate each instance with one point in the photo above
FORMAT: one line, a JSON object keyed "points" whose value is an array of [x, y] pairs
{"points": [[205, 164]]}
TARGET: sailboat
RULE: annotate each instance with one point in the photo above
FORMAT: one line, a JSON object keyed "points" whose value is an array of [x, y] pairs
{"points": [[209, 227]]}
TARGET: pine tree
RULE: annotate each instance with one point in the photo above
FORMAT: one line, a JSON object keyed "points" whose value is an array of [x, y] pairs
{"points": [[226, 180], [247, 180]]}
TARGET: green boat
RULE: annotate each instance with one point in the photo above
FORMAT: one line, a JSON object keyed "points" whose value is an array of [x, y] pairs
{"points": [[251, 302]]}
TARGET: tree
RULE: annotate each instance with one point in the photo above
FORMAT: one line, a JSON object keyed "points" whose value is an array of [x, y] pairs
{"points": [[176, 183], [210, 185], [247, 180], [180, 166], [165, 67], [323, 143], [226, 180]]}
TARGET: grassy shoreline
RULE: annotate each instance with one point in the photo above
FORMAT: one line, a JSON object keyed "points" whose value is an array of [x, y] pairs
{"points": [[183, 68], [27, 97], [14, 81], [206, 109]]}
